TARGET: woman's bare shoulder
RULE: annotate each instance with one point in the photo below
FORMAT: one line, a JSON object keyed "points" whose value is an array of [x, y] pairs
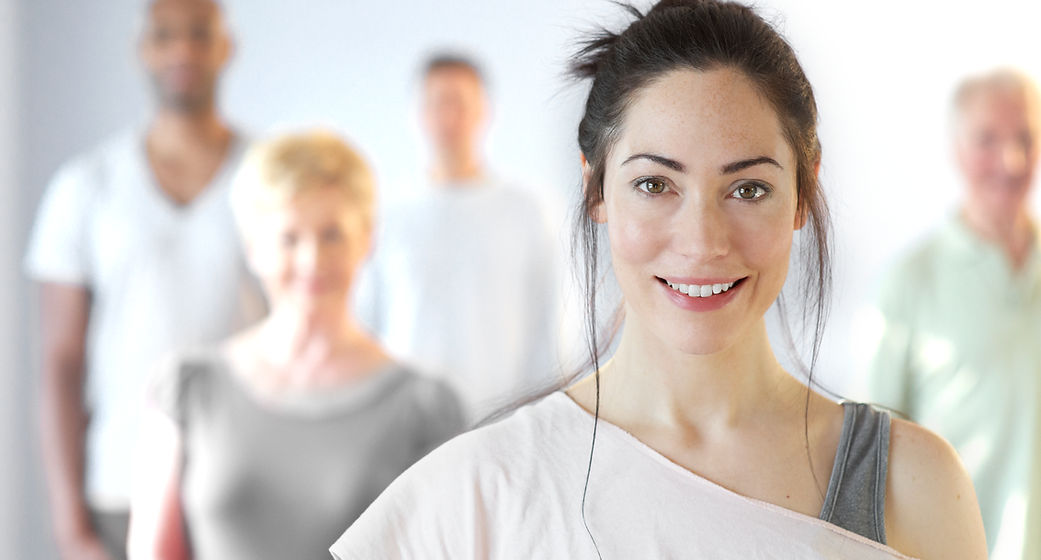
{"points": [[931, 507]]}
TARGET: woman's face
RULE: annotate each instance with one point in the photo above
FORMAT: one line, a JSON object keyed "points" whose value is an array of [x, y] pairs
{"points": [[700, 205], [307, 250]]}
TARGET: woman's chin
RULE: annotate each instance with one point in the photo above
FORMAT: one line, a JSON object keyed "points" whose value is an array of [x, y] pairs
{"points": [[700, 342]]}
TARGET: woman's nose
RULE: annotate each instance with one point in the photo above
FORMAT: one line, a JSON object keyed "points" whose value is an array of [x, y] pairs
{"points": [[701, 230]]}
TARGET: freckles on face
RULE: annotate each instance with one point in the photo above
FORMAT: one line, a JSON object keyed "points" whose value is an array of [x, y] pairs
{"points": [[700, 204]]}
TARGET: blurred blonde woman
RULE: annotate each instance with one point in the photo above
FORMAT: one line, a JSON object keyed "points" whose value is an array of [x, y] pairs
{"points": [[268, 445]]}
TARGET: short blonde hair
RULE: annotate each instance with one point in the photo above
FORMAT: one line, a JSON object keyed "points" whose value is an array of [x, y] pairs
{"points": [[276, 170]]}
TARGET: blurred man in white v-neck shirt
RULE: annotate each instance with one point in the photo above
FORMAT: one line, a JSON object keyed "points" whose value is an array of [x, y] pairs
{"points": [[135, 255]]}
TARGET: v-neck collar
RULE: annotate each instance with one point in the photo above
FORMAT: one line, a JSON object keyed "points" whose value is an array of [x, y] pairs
{"points": [[216, 184]]}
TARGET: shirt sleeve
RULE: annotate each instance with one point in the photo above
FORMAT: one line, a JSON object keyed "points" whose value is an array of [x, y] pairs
{"points": [[168, 387], [58, 249]]}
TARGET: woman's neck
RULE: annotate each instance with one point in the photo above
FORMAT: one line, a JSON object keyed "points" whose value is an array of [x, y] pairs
{"points": [[294, 338], [296, 350], [651, 385]]}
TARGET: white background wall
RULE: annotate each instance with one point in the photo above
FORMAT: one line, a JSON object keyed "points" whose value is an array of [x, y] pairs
{"points": [[883, 72]]}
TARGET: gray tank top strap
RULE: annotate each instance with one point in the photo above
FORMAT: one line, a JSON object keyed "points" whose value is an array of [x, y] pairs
{"points": [[856, 498]]}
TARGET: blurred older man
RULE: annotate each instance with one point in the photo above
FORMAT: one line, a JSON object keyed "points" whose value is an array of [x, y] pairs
{"points": [[135, 253], [961, 349]]}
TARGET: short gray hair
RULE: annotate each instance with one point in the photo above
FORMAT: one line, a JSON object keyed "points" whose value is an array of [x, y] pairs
{"points": [[1004, 79]]}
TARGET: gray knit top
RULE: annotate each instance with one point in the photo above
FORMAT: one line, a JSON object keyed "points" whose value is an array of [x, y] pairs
{"points": [[281, 480]]}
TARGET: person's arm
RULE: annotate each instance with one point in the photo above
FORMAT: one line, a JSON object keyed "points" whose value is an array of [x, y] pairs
{"points": [[931, 508], [156, 514], [65, 311]]}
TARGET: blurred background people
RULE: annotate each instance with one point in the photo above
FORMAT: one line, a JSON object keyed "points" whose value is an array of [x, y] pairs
{"points": [[135, 253], [67, 81], [961, 347], [463, 281], [268, 445]]}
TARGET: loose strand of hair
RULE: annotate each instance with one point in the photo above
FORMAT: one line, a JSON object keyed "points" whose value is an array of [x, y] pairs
{"points": [[820, 260], [591, 246], [589, 465]]}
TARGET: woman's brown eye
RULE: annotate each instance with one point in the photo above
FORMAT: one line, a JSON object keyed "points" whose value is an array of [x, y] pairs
{"points": [[652, 186], [749, 192]]}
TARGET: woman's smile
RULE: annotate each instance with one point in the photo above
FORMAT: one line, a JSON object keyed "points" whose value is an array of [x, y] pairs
{"points": [[702, 296]]}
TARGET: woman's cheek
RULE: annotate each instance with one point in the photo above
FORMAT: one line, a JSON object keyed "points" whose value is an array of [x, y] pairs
{"points": [[766, 234], [766, 248], [634, 240]]}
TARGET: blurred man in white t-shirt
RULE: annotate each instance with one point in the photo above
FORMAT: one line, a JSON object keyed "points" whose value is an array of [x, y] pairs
{"points": [[135, 255], [463, 282]]}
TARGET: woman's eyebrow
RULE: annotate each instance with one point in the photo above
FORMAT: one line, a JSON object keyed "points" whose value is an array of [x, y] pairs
{"points": [[746, 163], [727, 169], [660, 160]]}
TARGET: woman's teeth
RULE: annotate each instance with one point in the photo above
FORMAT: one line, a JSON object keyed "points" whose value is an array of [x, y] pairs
{"points": [[694, 290]]}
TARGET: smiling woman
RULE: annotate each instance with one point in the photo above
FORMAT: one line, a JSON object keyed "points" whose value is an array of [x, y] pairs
{"points": [[700, 159]]}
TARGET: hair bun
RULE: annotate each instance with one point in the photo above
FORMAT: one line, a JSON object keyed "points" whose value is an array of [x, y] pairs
{"points": [[597, 47], [590, 56]]}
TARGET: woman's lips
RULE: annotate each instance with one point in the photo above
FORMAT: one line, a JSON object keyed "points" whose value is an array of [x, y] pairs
{"points": [[701, 294]]}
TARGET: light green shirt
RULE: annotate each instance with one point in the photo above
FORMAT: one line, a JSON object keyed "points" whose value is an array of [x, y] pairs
{"points": [[960, 353]]}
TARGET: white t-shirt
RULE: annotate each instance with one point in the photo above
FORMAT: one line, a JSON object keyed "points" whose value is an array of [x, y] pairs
{"points": [[463, 284], [161, 276], [514, 490]]}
